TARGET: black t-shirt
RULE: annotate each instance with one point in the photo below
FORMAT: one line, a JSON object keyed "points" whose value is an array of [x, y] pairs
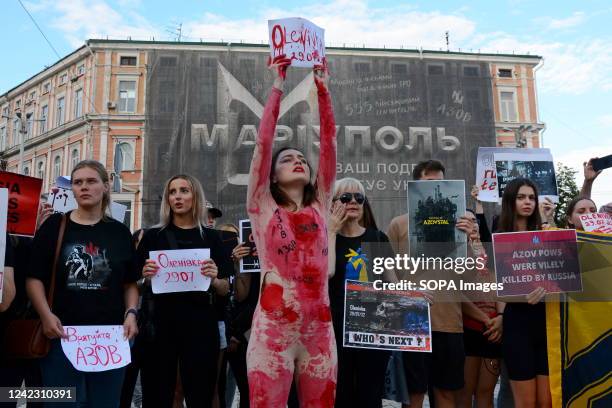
{"points": [[350, 264], [9, 257], [94, 263], [156, 239]]}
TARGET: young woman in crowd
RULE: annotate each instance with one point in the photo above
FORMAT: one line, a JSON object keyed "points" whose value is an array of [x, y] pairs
{"points": [[292, 330], [95, 283], [186, 334], [575, 208], [524, 324], [352, 233], [482, 328]]}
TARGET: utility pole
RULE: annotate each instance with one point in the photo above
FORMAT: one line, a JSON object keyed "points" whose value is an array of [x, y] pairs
{"points": [[23, 130], [447, 42]]}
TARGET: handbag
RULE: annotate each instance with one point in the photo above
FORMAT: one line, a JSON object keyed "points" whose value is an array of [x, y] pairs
{"points": [[24, 338]]}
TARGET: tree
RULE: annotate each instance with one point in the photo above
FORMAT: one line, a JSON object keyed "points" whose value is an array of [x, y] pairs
{"points": [[566, 184]]}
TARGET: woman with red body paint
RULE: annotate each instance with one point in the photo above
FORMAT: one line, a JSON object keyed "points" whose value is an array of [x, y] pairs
{"points": [[292, 329]]}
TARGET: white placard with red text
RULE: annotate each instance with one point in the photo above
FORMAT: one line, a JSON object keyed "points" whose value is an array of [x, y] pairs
{"points": [[298, 39], [597, 222], [96, 348], [179, 270]]}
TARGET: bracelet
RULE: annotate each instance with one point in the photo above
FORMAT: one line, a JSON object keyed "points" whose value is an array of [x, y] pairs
{"points": [[132, 311]]}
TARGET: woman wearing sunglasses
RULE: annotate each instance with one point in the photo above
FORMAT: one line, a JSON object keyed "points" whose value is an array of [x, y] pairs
{"points": [[353, 237]]}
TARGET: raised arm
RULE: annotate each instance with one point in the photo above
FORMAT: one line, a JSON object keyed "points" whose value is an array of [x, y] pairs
{"points": [[259, 173], [326, 174]]}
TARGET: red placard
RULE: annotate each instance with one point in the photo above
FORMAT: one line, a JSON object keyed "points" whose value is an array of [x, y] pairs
{"points": [[24, 198]]}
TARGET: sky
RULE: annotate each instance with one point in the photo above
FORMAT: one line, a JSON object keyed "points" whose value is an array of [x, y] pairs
{"points": [[575, 39]]}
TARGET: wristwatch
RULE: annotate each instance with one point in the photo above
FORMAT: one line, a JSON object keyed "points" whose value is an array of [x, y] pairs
{"points": [[131, 310]]}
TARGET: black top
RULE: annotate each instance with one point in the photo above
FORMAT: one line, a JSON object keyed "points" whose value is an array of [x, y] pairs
{"points": [[350, 252], [9, 258], [156, 239], [95, 262], [483, 228]]}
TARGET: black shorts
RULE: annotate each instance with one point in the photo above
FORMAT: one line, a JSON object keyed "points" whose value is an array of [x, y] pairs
{"points": [[477, 345], [442, 368], [524, 343]]}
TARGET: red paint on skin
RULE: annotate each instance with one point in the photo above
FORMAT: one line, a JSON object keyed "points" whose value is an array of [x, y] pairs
{"points": [[269, 392], [314, 392]]}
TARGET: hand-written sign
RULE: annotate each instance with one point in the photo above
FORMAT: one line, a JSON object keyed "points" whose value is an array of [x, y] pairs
{"points": [[96, 348], [24, 197], [179, 270], [597, 222], [298, 39]]}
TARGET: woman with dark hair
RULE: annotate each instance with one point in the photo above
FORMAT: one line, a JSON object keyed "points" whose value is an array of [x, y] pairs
{"points": [[361, 372], [524, 324], [95, 283], [185, 333], [292, 330]]}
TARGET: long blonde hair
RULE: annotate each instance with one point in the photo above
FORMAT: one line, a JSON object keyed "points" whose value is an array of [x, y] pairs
{"points": [[199, 212], [101, 170]]}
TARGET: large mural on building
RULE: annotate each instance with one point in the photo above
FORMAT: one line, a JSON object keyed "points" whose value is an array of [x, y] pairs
{"points": [[203, 111]]}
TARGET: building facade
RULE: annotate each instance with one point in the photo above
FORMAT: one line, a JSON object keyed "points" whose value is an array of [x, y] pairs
{"points": [[147, 110]]}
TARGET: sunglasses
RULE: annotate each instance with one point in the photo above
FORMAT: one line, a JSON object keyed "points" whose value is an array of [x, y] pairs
{"points": [[346, 198]]}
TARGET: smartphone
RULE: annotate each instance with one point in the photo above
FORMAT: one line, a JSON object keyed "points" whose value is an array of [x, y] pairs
{"points": [[602, 163]]}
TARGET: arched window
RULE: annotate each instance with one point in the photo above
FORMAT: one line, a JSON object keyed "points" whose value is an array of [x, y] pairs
{"points": [[74, 158], [26, 171], [126, 159], [57, 167], [40, 170]]}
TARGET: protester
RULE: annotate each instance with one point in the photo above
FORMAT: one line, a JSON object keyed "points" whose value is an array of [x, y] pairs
{"points": [[186, 333], [578, 206], [482, 330], [292, 329], [444, 366], [524, 324], [361, 372], [589, 178], [95, 283], [212, 215]]}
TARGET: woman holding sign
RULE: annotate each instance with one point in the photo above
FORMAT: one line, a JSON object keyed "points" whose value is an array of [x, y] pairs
{"points": [[185, 328], [292, 330], [95, 285], [524, 324]]}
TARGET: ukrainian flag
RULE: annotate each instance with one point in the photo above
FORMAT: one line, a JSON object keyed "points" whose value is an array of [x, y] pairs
{"points": [[579, 332]]}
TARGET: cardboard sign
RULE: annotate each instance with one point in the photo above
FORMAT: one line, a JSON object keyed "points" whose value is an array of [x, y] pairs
{"points": [[385, 320], [298, 39], [539, 168], [597, 222], [486, 172], [179, 270], [23, 201], [3, 211], [96, 348], [525, 261], [249, 263]]}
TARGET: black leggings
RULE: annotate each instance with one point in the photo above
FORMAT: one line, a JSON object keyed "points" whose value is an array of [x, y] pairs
{"points": [[188, 337], [361, 377]]}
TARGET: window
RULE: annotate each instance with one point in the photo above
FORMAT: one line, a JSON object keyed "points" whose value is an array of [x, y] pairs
{"points": [[78, 103], [80, 69], [47, 88], [15, 132], [61, 111], [63, 79], [26, 171], [435, 70], [130, 61], [128, 213], [57, 167], [44, 113], [125, 156], [127, 96], [30, 126], [471, 71], [32, 95], [508, 107], [74, 158], [40, 170], [3, 145], [5, 111], [504, 73], [18, 104], [362, 67]]}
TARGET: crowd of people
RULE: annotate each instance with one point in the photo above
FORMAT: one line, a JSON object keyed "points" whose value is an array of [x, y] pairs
{"points": [[277, 335]]}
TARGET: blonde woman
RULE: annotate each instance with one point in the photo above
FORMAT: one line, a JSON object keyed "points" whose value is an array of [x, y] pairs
{"points": [[95, 283], [185, 334]]}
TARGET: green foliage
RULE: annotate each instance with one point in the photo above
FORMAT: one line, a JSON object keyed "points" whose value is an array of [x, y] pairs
{"points": [[566, 184]]}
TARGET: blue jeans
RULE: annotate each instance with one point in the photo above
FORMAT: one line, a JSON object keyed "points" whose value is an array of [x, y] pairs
{"points": [[101, 389]]}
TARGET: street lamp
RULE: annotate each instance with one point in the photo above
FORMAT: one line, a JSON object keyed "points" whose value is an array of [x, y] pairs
{"points": [[23, 130], [519, 133]]}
